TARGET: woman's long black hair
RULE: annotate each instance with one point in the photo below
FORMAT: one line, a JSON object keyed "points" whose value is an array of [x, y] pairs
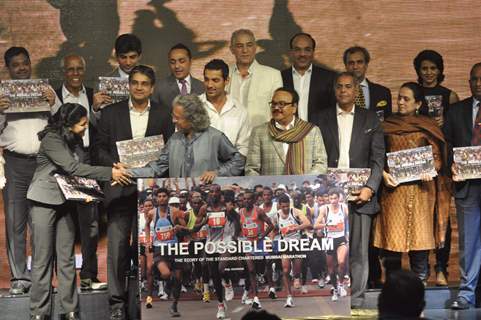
{"points": [[67, 115]]}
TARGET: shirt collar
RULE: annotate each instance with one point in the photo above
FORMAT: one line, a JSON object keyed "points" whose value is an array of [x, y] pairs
{"points": [[339, 111], [364, 83], [66, 93], [475, 102], [229, 103], [131, 107], [251, 67], [122, 73], [289, 126], [195, 136], [309, 70], [187, 79]]}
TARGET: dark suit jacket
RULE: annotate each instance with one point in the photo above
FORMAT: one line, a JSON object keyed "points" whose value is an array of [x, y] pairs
{"points": [[114, 73], [54, 156], [167, 89], [321, 91], [380, 99], [367, 148], [114, 125], [458, 131]]}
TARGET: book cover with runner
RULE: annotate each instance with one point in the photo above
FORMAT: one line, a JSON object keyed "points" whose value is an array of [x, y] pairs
{"points": [[117, 88], [138, 152], [79, 188], [277, 243], [25, 95], [468, 162], [408, 165], [351, 180]]}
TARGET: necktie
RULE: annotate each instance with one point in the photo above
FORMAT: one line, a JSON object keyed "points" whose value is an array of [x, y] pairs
{"points": [[183, 88], [476, 138], [360, 100]]}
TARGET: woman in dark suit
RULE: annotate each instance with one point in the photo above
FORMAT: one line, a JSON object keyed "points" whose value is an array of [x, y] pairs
{"points": [[53, 228]]}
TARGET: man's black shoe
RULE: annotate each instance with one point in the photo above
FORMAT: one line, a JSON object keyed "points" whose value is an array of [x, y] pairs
{"points": [[70, 316], [173, 311], [460, 304], [92, 284], [18, 289], [117, 314]]}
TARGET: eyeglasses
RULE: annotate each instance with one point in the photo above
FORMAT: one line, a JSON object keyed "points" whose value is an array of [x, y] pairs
{"points": [[280, 104]]}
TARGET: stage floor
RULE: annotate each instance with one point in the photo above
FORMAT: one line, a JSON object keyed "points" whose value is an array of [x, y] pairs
{"points": [[304, 307]]}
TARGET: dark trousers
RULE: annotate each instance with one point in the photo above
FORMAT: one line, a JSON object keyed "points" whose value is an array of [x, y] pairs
{"points": [[418, 261], [121, 214], [19, 171], [360, 230], [469, 222], [54, 236], [87, 215], [316, 261], [442, 255]]}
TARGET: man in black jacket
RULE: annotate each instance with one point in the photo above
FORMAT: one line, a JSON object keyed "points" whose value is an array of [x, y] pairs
{"points": [[314, 84], [371, 96], [136, 117], [462, 128], [354, 138]]}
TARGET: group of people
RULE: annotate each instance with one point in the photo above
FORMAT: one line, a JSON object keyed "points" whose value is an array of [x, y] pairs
{"points": [[249, 119], [273, 220]]}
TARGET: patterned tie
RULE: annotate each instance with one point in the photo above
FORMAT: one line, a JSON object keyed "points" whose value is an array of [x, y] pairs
{"points": [[360, 100], [183, 88], [476, 139]]}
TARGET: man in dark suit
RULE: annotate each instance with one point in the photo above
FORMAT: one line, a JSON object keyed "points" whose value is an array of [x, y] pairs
{"points": [[313, 83], [377, 98], [74, 91], [180, 80], [353, 138], [371, 96], [128, 51], [462, 128], [136, 117]]}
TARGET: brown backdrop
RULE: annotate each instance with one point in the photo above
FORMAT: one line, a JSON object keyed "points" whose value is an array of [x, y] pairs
{"points": [[393, 31]]}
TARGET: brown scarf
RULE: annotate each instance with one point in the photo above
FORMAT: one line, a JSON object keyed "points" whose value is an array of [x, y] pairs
{"points": [[295, 138], [398, 125]]}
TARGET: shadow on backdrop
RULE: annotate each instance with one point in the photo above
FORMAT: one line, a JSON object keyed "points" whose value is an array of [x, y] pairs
{"points": [[282, 26], [160, 29], [90, 27]]}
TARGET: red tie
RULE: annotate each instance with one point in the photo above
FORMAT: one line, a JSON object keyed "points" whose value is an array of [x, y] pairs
{"points": [[476, 139]]}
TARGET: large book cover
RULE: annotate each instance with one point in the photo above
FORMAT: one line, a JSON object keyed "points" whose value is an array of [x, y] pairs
{"points": [[137, 153], [468, 162], [79, 188], [25, 95], [117, 88], [351, 180], [226, 246], [408, 165]]}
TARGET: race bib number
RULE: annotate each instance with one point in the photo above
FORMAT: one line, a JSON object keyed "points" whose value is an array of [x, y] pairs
{"points": [[335, 227], [287, 229], [142, 237], [201, 234], [165, 233], [216, 219], [250, 230]]}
